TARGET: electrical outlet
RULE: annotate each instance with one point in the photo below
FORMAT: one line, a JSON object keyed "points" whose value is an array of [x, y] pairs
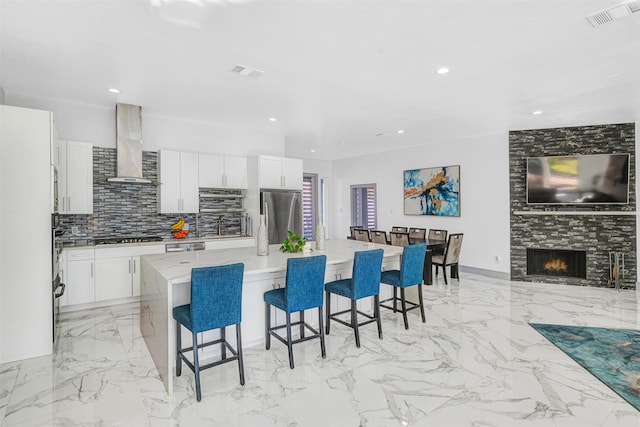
{"points": [[497, 258]]}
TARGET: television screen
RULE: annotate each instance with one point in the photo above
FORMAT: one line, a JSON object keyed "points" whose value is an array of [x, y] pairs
{"points": [[590, 179]]}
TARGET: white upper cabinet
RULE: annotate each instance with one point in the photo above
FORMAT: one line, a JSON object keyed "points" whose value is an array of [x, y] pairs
{"points": [[75, 177], [178, 189], [222, 171], [280, 173]]}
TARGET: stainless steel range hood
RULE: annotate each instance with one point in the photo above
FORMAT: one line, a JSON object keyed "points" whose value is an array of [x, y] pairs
{"points": [[129, 144]]}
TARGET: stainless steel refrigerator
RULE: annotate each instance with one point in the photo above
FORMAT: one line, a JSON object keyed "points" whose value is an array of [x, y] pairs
{"points": [[283, 212]]}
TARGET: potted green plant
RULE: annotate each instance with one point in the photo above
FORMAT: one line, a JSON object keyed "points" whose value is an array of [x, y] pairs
{"points": [[293, 243]]}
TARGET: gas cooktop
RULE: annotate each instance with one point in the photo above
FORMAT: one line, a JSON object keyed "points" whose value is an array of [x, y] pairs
{"points": [[128, 239]]}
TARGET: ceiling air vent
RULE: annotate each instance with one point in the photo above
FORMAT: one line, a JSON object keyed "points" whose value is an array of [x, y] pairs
{"points": [[247, 71], [614, 13]]}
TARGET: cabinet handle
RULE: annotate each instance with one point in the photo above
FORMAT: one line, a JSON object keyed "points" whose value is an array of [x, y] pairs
{"points": [[224, 179], [91, 269], [69, 204], [134, 266], [129, 266]]}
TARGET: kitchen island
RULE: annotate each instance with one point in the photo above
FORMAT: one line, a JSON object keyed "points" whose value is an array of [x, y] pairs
{"points": [[166, 283]]}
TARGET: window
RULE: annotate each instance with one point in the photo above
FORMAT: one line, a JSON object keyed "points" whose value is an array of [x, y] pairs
{"points": [[363, 206], [309, 205]]}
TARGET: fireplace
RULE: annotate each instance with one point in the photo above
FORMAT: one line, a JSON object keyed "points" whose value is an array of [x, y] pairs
{"points": [[557, 262]]}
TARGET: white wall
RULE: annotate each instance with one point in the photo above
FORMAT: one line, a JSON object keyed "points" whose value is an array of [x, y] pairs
{"points": [[25, 227], [98, 125], [484, 194]]}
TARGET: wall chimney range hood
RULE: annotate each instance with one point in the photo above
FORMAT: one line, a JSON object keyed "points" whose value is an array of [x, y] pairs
{"points": [[129, 144]]}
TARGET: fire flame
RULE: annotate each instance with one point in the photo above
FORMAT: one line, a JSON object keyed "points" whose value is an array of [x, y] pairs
{"points": [[556, 265]]}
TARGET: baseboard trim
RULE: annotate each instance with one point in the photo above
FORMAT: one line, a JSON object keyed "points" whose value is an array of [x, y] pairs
{"points": [[484, 272]]}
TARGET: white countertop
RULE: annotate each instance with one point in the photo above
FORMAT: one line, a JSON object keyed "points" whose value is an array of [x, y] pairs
{"points": [[176, 267]]}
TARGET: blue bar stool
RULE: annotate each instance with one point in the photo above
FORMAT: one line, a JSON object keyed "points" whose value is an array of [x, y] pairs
{"points": [[364, 282], [216, 302], [410, 274], [302, 291]]}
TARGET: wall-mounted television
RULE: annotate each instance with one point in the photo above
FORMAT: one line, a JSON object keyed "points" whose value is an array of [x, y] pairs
{"points": [[579, 179]]}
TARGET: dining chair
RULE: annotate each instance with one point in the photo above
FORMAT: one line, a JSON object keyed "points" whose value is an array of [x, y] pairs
{"points": [[378, 236], [364, 282], [417, 234], [399, 229], [450, 258], [435, 235], [216, 302], [399, 238], [363, 235], [410, 274], [352, 231], [302, 291]]}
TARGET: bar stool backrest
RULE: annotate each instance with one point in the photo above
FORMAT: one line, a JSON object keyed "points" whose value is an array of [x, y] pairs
{"points": [[216, 296], [304, 287], [367, 269]]}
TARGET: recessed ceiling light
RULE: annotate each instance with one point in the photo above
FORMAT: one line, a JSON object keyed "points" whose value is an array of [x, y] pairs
{"points": [[313, 150], [114, 90], [535, 113], [343, 144], [273, 119], [400, 131], [442, 70]]}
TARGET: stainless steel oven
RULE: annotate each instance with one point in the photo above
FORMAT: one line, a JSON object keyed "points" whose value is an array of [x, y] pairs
{"points": [[57, 286]]}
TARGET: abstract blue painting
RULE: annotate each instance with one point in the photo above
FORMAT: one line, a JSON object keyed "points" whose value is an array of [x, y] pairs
{"points": [[432, 191]]}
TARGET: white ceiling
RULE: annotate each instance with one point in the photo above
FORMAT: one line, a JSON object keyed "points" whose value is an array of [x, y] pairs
{"points": [[337, 73]]}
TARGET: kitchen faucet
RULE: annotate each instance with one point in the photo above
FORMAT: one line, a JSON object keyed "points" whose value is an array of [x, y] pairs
{"points": [[220, 221]]}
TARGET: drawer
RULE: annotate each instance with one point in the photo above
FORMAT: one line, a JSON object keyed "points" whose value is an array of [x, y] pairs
{"points": [[79, 254]]}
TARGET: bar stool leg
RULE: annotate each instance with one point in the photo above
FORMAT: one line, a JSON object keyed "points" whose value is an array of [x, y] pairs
{"points": [[178, 349], [267, 326], [196, 366], [302, 324], [320, 328], [239, 350], [327, 300], [354, 321], [424, 319], [404, 308], [223, 347], [289, 345], [395, 298], [376, 311]]}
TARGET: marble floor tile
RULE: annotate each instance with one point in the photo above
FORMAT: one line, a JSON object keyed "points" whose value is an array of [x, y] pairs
{"points": [[474, 362]]}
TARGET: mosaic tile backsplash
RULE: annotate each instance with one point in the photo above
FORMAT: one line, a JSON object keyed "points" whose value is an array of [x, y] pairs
{"points": [[122, 209]]}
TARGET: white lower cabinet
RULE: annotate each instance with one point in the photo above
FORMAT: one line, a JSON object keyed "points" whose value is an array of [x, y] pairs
{"points": [[104, 274], [79, 276], [114, 278]]}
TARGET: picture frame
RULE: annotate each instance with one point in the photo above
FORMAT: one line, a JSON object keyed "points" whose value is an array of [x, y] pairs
{"points": [[432, 191]]}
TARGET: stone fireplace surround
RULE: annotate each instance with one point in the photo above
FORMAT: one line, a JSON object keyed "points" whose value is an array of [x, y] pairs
{"points": [[597, 229]]}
